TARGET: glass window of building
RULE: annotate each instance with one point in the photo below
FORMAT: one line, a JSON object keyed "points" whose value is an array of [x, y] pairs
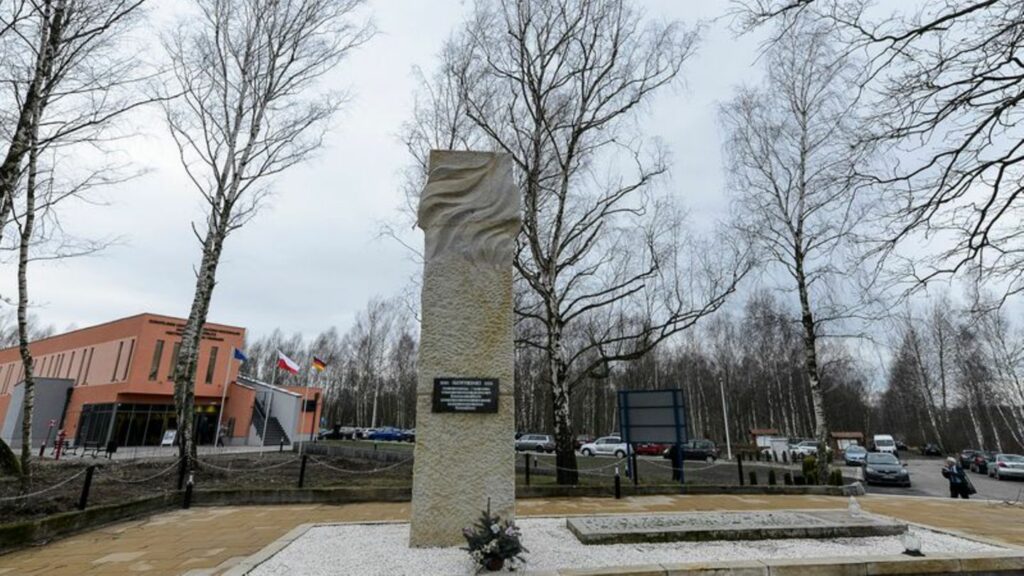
{"points": [[211, 365], [158, 353]]}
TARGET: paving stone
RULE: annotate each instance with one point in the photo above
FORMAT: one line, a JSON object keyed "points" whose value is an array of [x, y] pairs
{"points": [[912, 565], [816, 567]]}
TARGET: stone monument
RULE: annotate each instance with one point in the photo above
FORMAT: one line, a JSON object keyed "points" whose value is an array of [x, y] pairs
{"points": [[465, 460]]}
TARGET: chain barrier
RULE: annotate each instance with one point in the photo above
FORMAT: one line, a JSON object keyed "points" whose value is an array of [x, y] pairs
{"points": [[345, 471], [206, 464], [657, 464], [44, 490], [148, 478], [589, 471]]}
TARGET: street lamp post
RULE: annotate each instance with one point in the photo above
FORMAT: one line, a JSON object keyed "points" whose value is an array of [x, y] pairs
{"points": [[725, 418]]}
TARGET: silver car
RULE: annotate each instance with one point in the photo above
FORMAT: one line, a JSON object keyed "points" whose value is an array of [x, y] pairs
{"points": [[1006, 466]]}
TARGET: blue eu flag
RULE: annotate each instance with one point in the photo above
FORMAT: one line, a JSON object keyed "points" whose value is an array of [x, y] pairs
{"points": [[240, 356]]}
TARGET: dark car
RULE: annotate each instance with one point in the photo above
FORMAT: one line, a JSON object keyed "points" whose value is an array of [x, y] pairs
{"points": [[386, 434], [931, 450], [981, 461], [696, 450], [967, 457], [885, 468], [535, 443]]}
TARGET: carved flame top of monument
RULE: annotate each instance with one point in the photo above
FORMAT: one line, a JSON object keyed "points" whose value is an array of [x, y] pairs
{"points": [[470, 207]]}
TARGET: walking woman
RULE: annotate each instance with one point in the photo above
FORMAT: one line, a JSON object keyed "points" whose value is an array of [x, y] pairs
{"points": [[959, 483]]}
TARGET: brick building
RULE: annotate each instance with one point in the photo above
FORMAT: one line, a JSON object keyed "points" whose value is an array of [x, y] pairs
{"points": [[113, 383]]}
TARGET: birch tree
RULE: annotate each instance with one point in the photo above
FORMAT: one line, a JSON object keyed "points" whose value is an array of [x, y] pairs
{"points": [[558, 86], [945, 83], [66, 79], [249, 107], [791, 169]]}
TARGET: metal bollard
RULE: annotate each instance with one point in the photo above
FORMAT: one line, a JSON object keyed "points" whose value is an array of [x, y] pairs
{"points": [[618, 484], [739, 469], [188, 493], [302, 471], [84, 498], [281, 448], [636, 469], [526, 457]]}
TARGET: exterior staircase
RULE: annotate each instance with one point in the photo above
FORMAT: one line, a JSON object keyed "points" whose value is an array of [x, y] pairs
{"points": [[274, 431]]}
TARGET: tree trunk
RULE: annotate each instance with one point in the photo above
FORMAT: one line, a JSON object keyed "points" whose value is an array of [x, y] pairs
{"points": [[28, 399], [821, 428], [565, 445], [188, 354]]}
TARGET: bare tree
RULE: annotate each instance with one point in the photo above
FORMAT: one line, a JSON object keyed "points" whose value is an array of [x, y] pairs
{"points": [[67, 79], [246, 72], [792, 168], [558, 86], [946, 86]]}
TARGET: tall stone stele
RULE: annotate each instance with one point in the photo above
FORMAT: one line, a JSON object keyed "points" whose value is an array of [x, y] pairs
{"points": [[465, 460]]}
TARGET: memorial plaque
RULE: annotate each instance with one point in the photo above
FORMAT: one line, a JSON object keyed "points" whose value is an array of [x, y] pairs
{"points": [[465, 395]]}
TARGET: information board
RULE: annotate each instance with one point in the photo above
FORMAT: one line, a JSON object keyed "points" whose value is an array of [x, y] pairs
{"points": [[467, 395], [168, 439], [657, 416]]}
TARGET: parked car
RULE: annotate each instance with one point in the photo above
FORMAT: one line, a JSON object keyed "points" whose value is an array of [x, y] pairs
{"points": [[386, 434], [1007, 466], [931, 450], [885, 443], [583, 439], [901, 445], [805, 448], [338, 433], [649, 449], [606, 446], [967, 457], [409, 435], [855, 455], [699, 449], [982, 460], [535, 443], [885, 468]]}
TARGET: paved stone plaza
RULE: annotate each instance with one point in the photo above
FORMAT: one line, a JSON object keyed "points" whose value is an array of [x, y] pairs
{"points": [[207, 541]]}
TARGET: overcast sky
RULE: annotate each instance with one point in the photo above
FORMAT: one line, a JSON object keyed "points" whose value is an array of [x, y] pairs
{"points": [[313, 257]]}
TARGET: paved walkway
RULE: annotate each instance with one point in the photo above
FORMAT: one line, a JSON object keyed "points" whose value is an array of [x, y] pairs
{"points": [[206, 541]]}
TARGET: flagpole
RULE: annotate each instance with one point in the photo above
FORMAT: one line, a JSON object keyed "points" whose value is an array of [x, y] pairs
{"points": [[266, 417], [223, 395]]}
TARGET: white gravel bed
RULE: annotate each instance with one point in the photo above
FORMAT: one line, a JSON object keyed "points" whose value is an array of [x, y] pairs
{"points": [[382, 549]]}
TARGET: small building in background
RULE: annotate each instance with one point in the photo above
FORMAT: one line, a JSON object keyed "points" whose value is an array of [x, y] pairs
{"points": [[113, 383], [843, 440], [762, 437]]}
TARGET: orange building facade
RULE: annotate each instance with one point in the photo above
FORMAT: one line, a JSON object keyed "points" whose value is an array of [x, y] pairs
{"points": [[122, 388]]}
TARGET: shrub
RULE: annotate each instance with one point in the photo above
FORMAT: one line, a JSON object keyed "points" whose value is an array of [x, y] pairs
{"points": [[810, 470], [835, 478], [753, 478], [787, 479], [771, 478], [492, 542], [785, 457]]}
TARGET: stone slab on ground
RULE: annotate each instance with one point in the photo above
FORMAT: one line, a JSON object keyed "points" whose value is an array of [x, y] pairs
{"points": [[383, 549], [753, 525]]}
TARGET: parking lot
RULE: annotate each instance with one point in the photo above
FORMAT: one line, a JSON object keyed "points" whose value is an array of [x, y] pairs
{"points": [[926, 480]]}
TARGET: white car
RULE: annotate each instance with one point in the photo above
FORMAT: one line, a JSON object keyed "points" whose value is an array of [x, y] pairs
{"points": [[885, 443], [805, 448], [606, 446]]}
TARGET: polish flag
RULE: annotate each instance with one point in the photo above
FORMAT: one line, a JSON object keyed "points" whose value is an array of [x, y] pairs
{"points": [[287, 364]]}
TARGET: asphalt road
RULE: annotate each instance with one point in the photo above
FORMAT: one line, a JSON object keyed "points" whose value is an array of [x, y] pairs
{"points": [[926, 480]]}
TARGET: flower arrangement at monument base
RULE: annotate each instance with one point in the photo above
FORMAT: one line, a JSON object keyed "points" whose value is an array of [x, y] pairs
{"points": [[492, 542]]}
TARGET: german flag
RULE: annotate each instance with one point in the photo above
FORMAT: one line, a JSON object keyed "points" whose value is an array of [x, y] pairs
{"points": [[318, 364]]}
